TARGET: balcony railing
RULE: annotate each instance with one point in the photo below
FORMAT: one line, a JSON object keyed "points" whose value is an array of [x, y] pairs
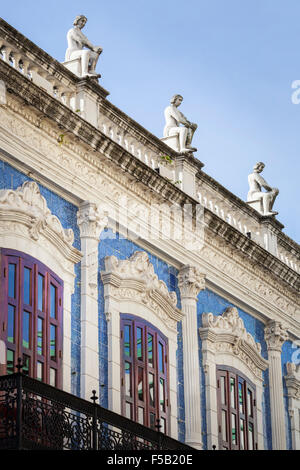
{"points": [[34, 415]]}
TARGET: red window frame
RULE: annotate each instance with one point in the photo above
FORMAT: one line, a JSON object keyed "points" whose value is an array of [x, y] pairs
{"points": [[152, 399], [236, 397], [41, 362]]}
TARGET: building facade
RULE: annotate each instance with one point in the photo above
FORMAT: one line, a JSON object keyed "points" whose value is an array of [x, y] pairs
{"points": [[125, 268]]}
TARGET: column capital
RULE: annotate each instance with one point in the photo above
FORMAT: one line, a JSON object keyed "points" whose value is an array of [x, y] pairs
{"points": [[275, 335], [91, 220], [190, 281]]}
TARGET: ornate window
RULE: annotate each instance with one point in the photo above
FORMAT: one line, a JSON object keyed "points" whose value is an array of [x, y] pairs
{"points": [[144, 373], [31, 316], [236, 410]]}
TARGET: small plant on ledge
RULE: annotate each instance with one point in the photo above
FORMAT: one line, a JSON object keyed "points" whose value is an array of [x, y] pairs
{"points": [[166, 159]]}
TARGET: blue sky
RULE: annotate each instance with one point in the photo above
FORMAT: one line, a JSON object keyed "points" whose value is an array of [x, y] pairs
{"points": [[233, 61]]}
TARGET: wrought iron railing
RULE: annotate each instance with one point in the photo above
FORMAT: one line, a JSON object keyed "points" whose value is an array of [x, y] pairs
{"points": [[34, 415]]}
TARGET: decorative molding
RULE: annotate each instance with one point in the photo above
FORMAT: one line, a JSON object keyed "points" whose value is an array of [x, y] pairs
{"points": [[275, 336], [134, 279], [91, 220], [190, 281], [226, 334], [25, 206], [265, 287], [292, 380]]}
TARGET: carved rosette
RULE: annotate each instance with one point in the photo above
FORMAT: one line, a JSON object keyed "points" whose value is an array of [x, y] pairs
{"points": [[275, 336], [91, 220], [190, 282]]}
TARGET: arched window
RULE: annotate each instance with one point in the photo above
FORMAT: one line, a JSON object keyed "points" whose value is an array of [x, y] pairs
{"points": [[144, 373], [236, 410], [31, 316]]}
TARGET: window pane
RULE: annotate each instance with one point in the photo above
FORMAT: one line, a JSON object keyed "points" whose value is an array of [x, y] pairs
{"points": [[161, 357], [127, 343], [128, 379], [26, 364], [52, 377], [232, 392], [233, 428], [128, 411], [39, 371], [139, 353], [152, 421], [40, 292], [12, 280], [150, 350], [10, 361], [163, 425], [52, 301], [52, 342], [11, 324], [249, 403], [140, 384], [141, 415], [242, 426], [151, 390], [27, 284], [162, 394], [223, 391], [250, 436], [26, 330], [40, 336], [224, 425], [241, 398]]}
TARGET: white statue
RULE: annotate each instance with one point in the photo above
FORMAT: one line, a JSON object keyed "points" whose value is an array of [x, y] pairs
{"points": [[256, 182], [76, 42], [173, 120]]}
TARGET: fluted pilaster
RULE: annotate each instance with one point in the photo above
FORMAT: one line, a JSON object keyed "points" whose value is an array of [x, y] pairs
{"points": [[91, 222], [275, 336], [191, 281]]}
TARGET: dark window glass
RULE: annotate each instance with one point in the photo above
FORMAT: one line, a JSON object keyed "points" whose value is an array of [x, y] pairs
{"points": [[53, 342], [26, 364], [127, 342], [12, 280], [150, 350], [40, 323], [236, 410], [11, 324], [139, 334], [10, 361], [31, 316], [26, 329], [52, 301], [27, 286], [161, 357], [40, 292], [144, 373]]}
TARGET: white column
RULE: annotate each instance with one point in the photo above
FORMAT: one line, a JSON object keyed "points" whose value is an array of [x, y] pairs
{"points": [[91, 222], [275, 336], [190, 282]]}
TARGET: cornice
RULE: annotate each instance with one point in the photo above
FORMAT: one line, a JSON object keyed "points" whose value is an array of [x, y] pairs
{"points": [[145, 192]]}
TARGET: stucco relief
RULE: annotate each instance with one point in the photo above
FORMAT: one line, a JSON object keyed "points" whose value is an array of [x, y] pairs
{"points": [[215, 251], [226, 333]]}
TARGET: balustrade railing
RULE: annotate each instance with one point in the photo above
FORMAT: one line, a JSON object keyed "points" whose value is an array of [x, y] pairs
{"points": [[34, 415]]}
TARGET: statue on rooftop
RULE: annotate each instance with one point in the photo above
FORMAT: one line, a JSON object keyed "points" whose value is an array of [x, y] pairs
{"points": [[255, 194], [76, 43], [172, 127]]}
